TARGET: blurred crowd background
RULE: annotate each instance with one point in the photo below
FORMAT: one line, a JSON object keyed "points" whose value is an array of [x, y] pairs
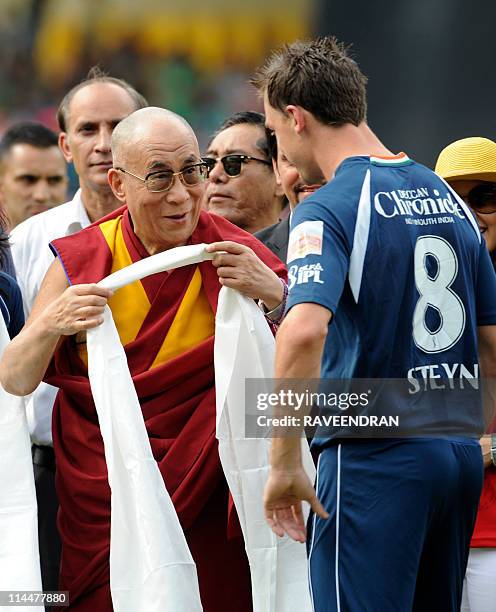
{"points": [[430, 63], [192, 56]]}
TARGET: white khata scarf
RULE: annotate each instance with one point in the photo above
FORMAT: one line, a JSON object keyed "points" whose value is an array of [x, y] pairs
{"points": [[19, 556]]}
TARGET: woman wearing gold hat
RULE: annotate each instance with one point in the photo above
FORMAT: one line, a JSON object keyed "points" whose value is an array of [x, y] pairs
{"points": [[469, 166]]}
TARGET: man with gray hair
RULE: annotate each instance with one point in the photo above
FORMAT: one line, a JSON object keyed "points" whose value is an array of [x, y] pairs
{"points": [[166, 325], [87, 116]]}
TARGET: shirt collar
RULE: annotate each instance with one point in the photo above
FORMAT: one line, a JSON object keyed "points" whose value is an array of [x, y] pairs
{"points": [[80, 219], [82, 214]]}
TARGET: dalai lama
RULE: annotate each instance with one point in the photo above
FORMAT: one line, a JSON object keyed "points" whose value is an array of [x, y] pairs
{"points": [[166, 324]]}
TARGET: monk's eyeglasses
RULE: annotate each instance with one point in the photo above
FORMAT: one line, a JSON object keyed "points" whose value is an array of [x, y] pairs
{"points": [[163, 180], [233, 164]]}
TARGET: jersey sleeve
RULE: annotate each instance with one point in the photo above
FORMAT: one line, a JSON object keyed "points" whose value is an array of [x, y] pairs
{"points": [[320, 247], [6, 263], [486, 289], [11, 304]]}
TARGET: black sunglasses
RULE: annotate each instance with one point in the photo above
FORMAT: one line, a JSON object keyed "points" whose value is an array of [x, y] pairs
{"points": [[232, 164], [483, 199]]}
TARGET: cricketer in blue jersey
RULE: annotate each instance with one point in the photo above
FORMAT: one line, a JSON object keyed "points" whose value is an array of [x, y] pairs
{"points": [[389, 278]]}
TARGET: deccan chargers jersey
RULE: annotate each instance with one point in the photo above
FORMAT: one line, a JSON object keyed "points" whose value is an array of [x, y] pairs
{"points": [[398, 258]]}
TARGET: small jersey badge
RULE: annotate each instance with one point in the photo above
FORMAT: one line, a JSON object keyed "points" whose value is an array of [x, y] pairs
{"points": [[305, 239]]}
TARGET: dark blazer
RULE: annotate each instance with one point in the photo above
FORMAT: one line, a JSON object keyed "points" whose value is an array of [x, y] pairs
{"points": [[275, 237]]}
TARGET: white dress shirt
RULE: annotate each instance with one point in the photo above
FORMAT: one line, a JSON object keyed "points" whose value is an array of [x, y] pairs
{"points": [[32, 257]]}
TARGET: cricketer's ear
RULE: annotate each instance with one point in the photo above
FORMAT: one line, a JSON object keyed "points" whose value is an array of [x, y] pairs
{"points": [[297, 115]]}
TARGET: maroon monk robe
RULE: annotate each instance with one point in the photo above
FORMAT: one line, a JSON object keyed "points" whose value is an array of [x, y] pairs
{"points": [[178, 403]]}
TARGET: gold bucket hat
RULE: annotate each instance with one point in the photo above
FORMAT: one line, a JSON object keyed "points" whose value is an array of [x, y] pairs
{"points": [[469, 159]]}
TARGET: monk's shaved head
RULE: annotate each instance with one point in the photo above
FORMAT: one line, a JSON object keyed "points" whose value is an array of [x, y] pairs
{"points": [[159, 175], [141, 126]]}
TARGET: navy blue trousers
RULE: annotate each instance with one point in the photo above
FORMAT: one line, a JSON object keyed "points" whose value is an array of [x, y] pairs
{"points": [[402, 514]]}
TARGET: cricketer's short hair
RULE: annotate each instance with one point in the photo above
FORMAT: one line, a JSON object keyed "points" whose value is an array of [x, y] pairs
{"points": [[318, 75]]}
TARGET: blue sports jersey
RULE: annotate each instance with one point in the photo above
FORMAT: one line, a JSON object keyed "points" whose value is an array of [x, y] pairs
{"points": [[397, 257]]}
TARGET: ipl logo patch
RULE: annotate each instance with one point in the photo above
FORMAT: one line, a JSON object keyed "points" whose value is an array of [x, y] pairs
{"points": [[304, 274]]}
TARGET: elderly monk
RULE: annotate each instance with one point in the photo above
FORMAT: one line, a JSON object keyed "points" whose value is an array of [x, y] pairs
{"points": [[166, 324]]}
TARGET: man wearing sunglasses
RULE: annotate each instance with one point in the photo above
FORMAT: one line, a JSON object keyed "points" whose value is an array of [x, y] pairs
{"points": [[166, 324], [469, 166], [242, 186]]}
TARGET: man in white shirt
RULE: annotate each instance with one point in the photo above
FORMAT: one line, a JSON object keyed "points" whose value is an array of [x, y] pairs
{"points": [[87, 116]]}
